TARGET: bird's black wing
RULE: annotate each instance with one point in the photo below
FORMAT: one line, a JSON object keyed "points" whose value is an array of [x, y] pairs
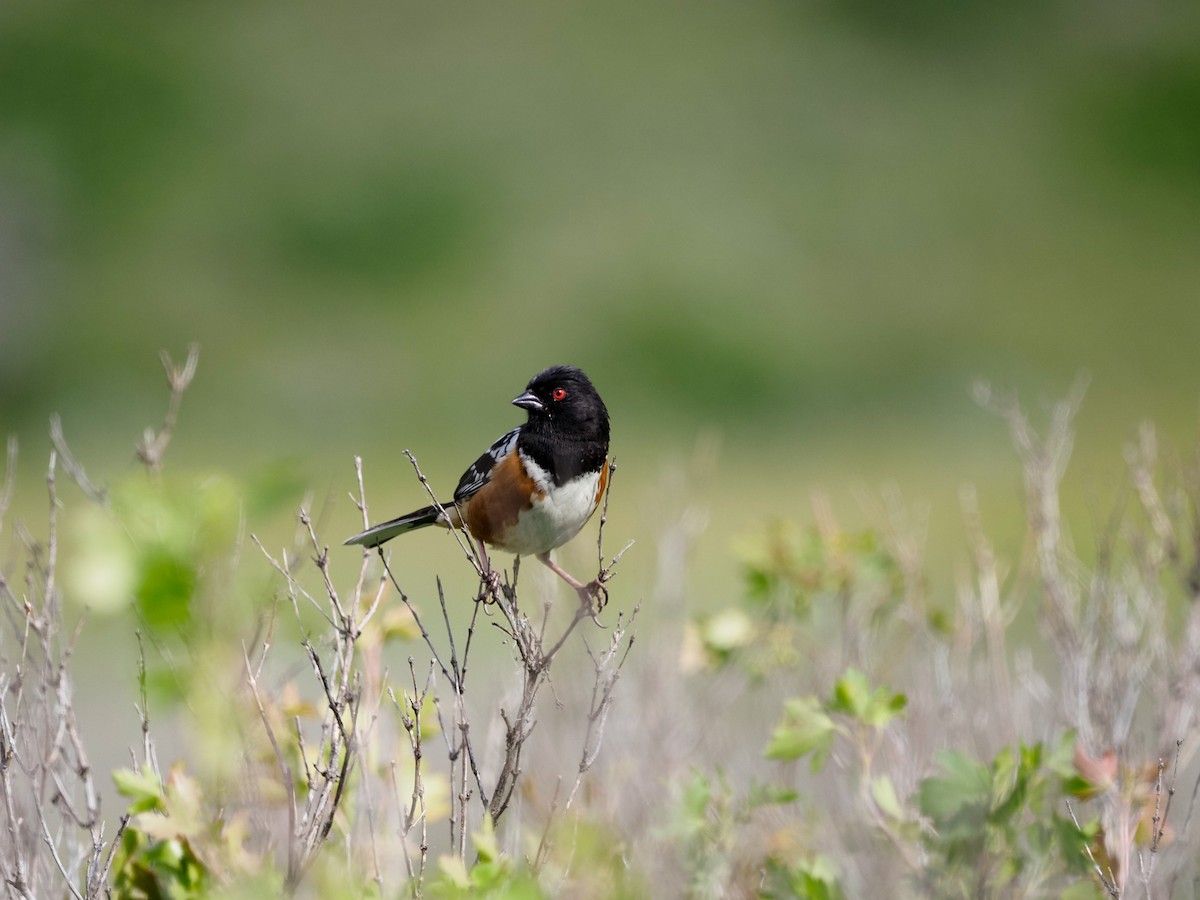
{"points": [[481, 470]]}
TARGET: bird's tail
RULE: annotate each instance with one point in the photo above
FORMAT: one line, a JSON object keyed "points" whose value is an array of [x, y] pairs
{"points": [[378, 534]]}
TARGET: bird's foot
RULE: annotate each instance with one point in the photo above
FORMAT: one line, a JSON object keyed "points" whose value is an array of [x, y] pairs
{"points": [[489, 586], [593, 597]]}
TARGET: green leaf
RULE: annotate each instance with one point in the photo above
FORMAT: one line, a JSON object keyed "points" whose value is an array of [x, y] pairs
{"points": [[854, 697], [759, 582], [805, 728], [143, 788], [884, 707], [770, 795], [454, 873], [964, 788], [884, 794], [1074, 841], [486, 846], [165, 589], [815, 879], [489, 875], [1010, 781], [851, 694], [1005, 775]]}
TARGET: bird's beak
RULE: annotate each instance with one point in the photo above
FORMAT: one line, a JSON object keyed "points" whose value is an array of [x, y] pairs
{"points": [[530, 402]]}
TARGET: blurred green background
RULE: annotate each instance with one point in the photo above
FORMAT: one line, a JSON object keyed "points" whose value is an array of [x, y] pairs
{"points": [[802, 227]]}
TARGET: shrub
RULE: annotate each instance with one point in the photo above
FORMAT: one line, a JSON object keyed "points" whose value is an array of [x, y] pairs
{"points": [[840, 729]]}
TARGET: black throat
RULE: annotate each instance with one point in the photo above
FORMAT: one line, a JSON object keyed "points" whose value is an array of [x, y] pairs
{"points": [[564, 456]]}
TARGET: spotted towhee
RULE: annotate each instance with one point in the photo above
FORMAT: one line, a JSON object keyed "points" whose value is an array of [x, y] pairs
{"points": [[536, 487]]}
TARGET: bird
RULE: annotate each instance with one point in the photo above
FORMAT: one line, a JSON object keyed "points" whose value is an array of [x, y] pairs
{"points": [[536, 487]]}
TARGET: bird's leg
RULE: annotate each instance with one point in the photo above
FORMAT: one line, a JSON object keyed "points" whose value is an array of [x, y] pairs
{"points": [[491, 578], [593, 595]]}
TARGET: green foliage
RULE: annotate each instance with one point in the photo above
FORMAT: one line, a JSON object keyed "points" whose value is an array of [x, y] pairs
{"points": [[997, 824], [977, 825], [808, 725], [143, 788], [990, 824], [148, 869], [854, 697], [959, 799], [493, 873], [163, 545], [747, 841], [586, 857], [787, 570], [166, 589], [813, 878], [705, 825], [974, 827], [883, 793], [806, 728], [166, 548], [174, 848], [798, 581]]}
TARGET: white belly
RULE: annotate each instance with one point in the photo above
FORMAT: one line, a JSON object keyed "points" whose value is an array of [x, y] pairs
{"points": [[557, 516]]}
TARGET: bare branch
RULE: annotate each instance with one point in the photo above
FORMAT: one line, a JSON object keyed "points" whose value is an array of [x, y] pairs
{"points": [[72, 466], [153, 446], [285, 770], [477, 560], [607, 668], [1107, 881]]}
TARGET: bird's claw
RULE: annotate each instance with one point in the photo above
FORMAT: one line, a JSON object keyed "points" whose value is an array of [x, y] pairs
{"points": [[490, 586], [593, 596]]}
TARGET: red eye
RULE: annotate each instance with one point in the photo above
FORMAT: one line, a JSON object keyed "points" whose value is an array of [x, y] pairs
{"points": [[559, 393]]}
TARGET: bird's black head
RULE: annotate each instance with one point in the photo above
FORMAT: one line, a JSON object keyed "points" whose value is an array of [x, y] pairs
{"points": [[563, 398], [567, 420]]}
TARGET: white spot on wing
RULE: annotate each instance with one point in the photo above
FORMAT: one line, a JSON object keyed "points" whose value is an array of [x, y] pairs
{"points": [[481, 470]]}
